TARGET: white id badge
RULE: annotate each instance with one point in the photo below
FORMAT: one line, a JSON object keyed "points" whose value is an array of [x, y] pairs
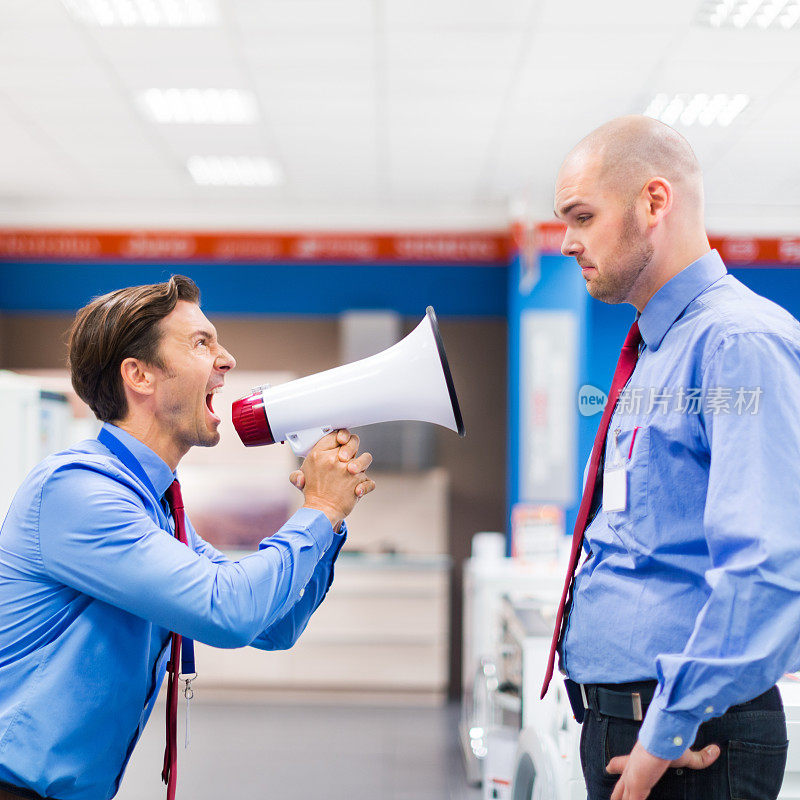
{"points": [[615, 480], [615, 488]]}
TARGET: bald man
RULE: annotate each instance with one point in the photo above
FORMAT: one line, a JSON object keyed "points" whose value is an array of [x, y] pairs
{"points": [[686, 610]]}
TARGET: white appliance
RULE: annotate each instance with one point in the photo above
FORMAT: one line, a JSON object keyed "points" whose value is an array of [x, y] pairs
{"points": [[546, 764], [488, 577], [35, 423]]}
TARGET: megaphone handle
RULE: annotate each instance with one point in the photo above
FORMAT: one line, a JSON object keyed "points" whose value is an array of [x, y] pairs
{"points": [[301, 442]]}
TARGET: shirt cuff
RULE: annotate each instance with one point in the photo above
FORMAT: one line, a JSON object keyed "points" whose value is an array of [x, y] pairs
{"points": [[317, 524], [667, 734], [339, 538]]}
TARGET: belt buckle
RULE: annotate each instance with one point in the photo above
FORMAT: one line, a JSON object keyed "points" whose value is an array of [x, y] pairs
{"points": [[637, 706]]}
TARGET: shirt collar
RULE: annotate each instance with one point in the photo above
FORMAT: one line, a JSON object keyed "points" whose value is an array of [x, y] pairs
{"points": [[161, 476], [670, 301]]}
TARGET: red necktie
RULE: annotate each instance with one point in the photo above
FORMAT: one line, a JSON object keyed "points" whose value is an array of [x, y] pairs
{"points": [[625, 366], [170, 772]]}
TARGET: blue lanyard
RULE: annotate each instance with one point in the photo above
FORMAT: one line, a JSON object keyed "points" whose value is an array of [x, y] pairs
{"points": [[105, 437]]}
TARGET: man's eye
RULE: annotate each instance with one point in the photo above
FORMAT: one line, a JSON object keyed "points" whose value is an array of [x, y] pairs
{"points": [[584, 218]]}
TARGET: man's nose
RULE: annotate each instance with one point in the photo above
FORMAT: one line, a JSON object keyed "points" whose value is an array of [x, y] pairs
{"points": [[570, 247], [225, 361]]}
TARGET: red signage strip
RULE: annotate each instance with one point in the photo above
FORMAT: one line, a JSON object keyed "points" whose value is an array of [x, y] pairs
{"points": [[750, 251], [490, 248], [737, 251]]}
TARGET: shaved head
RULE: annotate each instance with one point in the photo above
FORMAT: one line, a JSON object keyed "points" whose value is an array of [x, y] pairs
{"points": [[629, 151], [631, 196]]}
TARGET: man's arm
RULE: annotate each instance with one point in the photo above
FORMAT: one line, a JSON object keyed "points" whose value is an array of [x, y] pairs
{"points": [[745, 636], [283, 634], [95, 536]]}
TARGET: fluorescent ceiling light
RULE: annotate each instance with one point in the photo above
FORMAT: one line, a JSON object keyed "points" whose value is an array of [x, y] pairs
{"points": [[201, 106], [762, 14], [697, 109], [147, 13], [234, 171]]}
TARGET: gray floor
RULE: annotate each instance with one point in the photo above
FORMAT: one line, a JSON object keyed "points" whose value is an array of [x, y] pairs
{"points": [[280, 751]]}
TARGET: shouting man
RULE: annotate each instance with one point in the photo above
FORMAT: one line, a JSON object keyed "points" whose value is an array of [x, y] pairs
{"points": [[102, 576]]}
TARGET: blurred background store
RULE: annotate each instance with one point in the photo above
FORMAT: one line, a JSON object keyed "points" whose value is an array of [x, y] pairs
{"points": [[324, 170]]}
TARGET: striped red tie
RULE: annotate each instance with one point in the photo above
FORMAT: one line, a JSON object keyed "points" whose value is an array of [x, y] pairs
{"points": [[623, 372], [169, 773]]}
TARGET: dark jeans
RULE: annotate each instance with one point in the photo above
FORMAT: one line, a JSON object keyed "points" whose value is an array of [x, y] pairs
{"points": [[752, 740]]}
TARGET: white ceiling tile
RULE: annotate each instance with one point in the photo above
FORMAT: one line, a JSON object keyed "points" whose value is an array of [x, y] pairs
{"points": [[354, 186], [302, 49], [761, 168], [556, 49], [618, 13], [43, 78], [40, 45], [79, 108], [576, 86], [187, 140], [162, 45], [781, 113], [466, 81], [21, 149], [453, 49], [383, 103], [457, 14], [709, 75], [444, 110], [28, 13], [733, 46], [195, 73], [306, 15], [326, 140]]}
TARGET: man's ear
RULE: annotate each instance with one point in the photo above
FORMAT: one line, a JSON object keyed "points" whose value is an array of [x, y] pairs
{"points": [[137, 376], [658, 196]]}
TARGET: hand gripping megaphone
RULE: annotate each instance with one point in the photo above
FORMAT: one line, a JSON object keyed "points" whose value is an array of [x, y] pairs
{"points": [[409, 381]]}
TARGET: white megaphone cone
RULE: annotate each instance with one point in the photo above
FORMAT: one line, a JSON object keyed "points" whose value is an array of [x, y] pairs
{"points": [[409, 381]]}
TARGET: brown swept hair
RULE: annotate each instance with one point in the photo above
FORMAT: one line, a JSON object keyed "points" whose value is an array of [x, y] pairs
{"points": [[119, 325]]}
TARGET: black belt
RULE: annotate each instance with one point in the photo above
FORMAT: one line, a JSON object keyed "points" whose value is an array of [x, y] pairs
{"points": [[622, 700], [630, 700]]}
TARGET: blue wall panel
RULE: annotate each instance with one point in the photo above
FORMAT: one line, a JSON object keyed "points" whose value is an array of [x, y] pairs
{"points": [[269, 288], [560, 288], [779, 284]]}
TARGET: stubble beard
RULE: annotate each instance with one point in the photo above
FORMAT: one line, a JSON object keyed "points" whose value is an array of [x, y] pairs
{"points": [[625, 266]]}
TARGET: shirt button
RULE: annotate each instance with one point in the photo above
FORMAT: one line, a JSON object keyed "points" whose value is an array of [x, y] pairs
{"points": [[677, 741], [710, 710]]}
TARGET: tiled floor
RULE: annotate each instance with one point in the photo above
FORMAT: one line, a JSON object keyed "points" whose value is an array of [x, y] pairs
{"points": [[281, 751]]}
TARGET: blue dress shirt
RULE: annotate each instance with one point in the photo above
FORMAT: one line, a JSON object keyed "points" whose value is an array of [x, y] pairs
{"points": [[92, 582], [697, 582]]}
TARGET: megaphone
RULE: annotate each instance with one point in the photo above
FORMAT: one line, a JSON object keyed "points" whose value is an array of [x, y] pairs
{"points": [[409, 381]]}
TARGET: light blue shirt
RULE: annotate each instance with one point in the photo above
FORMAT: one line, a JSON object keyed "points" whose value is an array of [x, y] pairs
{"points": [[92, 582], [697, 582]]}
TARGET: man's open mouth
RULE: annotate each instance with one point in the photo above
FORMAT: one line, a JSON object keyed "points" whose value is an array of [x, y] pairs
{"points": [[210, 399]]}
